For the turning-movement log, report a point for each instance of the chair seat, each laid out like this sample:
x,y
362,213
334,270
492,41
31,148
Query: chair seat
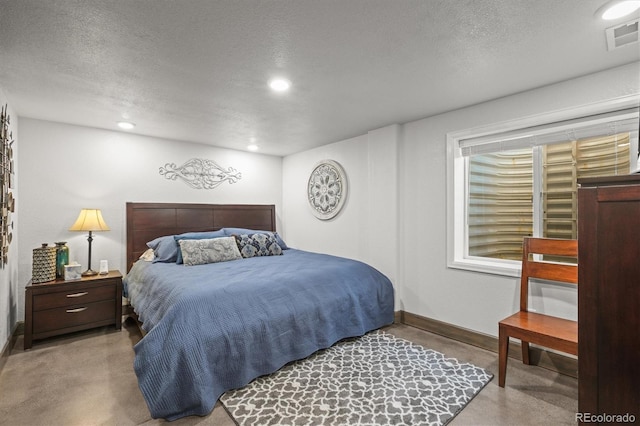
x,y
544,330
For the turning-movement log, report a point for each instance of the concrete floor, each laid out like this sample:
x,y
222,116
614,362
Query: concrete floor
x,y
87,379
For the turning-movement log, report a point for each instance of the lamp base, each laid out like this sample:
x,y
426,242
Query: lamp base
x,y
89,273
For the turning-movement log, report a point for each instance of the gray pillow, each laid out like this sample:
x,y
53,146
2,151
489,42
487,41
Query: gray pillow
x,y
195,236
214,250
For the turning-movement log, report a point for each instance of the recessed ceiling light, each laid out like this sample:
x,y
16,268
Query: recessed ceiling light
x,y
253,146
280,84
126,125
618,8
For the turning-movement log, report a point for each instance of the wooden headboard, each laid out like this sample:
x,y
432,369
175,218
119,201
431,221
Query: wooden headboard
x,y
146,221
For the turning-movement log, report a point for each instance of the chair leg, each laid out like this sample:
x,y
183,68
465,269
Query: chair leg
x,y
503,355
525,352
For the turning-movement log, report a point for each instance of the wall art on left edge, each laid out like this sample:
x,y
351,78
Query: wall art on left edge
x,y
200,173
7,202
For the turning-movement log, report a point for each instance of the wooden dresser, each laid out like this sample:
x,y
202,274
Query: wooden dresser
x,y
609,296
59,307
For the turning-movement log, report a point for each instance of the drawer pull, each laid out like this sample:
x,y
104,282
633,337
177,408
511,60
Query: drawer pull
x,y
83,293
73,311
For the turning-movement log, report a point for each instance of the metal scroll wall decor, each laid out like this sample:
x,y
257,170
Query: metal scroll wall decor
x,y
199,173
327,189
7,202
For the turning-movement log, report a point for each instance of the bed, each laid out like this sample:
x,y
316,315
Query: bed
x,y
211,325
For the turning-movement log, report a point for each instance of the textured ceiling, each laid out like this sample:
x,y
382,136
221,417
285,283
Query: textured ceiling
x,y
197,70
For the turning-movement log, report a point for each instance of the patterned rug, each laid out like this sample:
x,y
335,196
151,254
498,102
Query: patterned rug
x,y
376,379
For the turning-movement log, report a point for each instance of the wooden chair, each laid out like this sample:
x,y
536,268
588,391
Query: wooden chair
x,y
530,327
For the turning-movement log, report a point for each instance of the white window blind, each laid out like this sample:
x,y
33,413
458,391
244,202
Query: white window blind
x,y
604,124
564,164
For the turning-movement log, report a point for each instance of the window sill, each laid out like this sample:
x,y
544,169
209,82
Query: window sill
x,y
507,268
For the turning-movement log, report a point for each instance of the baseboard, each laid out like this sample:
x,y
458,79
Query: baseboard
x,y
540,357
10,343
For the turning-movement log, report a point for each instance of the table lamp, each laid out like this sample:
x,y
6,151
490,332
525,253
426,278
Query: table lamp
x,y
89,220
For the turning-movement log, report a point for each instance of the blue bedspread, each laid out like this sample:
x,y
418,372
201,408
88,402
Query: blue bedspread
x,y
216,327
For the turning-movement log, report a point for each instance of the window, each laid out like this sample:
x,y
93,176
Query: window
x,y
520,180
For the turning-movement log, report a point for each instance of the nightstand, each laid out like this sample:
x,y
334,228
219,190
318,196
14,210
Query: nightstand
x,y
59,307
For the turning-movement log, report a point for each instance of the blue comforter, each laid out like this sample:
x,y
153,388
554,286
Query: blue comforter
x,y
215,327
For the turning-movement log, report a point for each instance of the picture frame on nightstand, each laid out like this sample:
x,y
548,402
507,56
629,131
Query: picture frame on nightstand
x,y
72,272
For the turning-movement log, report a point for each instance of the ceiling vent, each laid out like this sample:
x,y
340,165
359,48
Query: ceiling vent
x,y
622,34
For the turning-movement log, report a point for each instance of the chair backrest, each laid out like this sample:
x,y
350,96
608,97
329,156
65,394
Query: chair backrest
x,y
542,268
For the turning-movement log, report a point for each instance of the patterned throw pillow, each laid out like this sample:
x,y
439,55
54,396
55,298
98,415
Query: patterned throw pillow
x,y
200,252
196,236
258,244
240,231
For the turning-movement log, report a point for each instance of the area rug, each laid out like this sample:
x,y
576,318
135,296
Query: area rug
x,y
376,379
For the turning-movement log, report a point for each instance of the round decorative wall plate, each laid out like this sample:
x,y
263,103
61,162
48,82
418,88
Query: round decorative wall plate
x,y
327,189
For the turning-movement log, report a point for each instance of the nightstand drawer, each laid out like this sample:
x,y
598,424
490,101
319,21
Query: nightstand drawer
x,y
71,316
76,296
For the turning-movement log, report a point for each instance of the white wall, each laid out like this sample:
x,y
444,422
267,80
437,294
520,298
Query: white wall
x,y
9,287
366,228
417,171
64,168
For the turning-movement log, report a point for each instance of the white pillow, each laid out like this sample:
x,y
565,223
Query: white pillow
x,y
200,252
148,255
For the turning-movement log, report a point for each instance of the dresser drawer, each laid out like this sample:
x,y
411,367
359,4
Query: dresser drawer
x,y
59,318
76,296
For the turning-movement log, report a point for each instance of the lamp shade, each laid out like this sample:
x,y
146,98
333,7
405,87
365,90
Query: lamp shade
x,y
89,220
